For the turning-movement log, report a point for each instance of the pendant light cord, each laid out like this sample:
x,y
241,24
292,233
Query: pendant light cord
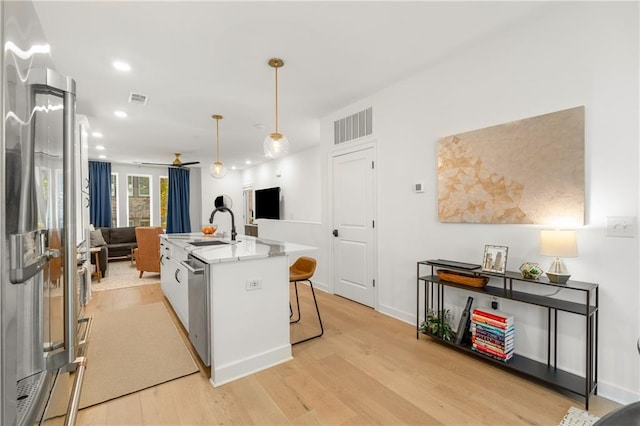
x,y
217,141
276,99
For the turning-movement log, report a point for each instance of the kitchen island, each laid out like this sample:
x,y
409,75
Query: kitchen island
x,y
233,299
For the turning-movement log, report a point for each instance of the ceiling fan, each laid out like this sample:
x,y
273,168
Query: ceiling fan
x,y
176,162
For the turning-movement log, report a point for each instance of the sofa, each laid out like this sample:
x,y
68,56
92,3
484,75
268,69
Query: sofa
x,y
120,242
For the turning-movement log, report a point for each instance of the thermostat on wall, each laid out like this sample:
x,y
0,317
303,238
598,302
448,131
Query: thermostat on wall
x,y
418,187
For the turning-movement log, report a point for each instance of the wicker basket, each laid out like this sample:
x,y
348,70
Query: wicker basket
x,y
462,278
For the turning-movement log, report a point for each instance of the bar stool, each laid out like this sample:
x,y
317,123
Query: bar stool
x,y
302,270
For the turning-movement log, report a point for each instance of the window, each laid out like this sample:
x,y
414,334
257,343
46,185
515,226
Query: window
x,y
114,200
164,198
139,203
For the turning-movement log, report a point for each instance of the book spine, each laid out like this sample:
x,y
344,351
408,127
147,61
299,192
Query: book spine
x,y
490,321
493,315
498,358
487,329
493,338
493,329
493,352
496,347
493,341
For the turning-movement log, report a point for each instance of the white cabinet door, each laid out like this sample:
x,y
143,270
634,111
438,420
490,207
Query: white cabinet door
x,y
180,292
165,272
173,279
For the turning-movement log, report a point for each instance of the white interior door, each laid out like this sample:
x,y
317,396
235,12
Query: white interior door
x,y
353,220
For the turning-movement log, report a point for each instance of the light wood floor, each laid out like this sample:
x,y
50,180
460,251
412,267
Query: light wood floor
x,y
367,369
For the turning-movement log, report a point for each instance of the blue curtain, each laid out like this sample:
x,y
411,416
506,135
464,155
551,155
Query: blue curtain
x,y
178,203
100,193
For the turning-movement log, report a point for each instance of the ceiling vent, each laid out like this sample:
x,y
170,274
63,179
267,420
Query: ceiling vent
x,y
138,98
353,126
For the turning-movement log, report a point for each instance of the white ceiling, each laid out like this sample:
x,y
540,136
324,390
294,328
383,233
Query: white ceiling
x,y
195,59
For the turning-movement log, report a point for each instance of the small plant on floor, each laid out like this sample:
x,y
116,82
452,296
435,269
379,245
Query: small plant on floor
x,y
437,323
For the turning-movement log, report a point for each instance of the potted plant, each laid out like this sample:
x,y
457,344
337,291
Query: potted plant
x,y
437,324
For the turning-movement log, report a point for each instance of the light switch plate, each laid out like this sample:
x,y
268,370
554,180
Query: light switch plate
x,y
621,226
253,285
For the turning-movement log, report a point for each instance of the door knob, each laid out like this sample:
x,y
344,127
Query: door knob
x,y
335,232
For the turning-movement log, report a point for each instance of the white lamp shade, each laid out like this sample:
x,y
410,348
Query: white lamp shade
x,y
558,243
217,170
276,145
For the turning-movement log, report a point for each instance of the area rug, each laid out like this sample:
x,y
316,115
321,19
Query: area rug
x,y
122,274
130,350
578,417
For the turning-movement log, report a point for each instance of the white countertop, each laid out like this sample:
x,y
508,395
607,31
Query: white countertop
x,y
244,248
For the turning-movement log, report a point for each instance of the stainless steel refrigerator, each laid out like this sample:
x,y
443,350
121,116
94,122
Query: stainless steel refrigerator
x,y
40,367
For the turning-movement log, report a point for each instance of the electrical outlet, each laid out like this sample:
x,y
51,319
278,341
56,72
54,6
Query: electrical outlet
x,y
494,303
253,285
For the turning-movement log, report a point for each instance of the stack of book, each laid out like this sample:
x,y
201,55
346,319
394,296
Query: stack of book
x,y
492,333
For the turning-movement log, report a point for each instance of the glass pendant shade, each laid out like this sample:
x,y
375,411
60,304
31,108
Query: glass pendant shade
x,y
276,145
217,170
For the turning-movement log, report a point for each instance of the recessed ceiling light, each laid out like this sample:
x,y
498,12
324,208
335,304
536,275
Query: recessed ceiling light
x,y
121,66
102,156
97,134
259,126
120,114
233,167
247,162
100,147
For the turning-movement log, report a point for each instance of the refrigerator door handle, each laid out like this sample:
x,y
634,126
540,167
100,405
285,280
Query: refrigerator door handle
x,y
47,81
69,212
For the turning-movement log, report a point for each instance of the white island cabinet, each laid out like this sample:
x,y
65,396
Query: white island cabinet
x,y
244,303
173,279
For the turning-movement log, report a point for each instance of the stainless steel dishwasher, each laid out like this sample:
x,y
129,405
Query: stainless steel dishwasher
x,y
199,318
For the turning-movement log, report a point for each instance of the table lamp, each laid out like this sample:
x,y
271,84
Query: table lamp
x,y
558,243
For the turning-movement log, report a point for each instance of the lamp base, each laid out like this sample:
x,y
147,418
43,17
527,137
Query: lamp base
x,y
558,278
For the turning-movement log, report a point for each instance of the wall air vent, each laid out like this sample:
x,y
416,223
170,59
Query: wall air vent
x,y
353,126
138,98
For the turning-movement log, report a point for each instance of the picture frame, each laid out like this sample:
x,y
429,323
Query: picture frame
x,y
495,259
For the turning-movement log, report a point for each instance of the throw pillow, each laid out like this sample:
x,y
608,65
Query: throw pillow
x,y
96,238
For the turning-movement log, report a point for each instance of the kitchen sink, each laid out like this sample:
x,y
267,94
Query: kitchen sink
x,y
207,243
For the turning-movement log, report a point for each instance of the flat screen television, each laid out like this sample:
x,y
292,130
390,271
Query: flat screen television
x,y
268,203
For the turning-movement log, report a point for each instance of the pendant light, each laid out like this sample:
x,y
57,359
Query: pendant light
x,y
276,144
217,169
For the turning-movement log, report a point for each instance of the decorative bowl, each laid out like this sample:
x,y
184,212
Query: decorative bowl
x,y
209,229
531,270
462,278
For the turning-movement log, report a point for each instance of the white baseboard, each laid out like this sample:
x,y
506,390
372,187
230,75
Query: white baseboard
x,y
245,367
317,285
407,317
616,394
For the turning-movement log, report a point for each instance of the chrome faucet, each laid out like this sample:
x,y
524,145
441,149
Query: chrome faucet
x,y
233,220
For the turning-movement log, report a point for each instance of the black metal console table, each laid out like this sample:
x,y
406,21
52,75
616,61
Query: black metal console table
x,y
432,297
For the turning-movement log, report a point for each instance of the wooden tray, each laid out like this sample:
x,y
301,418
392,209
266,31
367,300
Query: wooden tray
x,y
462,278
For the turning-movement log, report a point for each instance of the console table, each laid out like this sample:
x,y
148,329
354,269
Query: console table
x,y
430,291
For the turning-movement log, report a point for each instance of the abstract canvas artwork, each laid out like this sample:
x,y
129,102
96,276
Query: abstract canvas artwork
x,y
526,171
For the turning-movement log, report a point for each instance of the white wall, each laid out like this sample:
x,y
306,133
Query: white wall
x,y
298,176
577,54
211,188
155,173
299,183
299,180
